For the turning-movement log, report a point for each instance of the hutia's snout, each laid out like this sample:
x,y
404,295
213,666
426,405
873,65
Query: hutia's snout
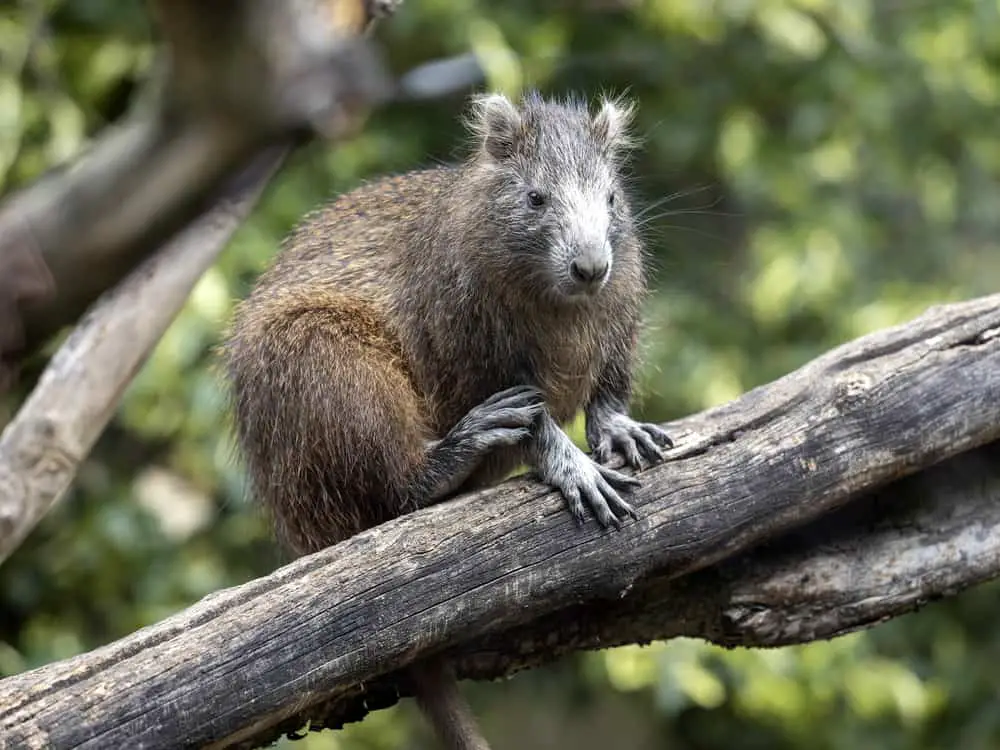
x,y
589,269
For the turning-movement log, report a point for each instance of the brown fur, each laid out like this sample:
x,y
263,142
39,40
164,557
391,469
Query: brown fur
x,y
389,320
397,308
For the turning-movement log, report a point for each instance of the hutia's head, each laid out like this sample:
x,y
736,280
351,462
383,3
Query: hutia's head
x,y
553,173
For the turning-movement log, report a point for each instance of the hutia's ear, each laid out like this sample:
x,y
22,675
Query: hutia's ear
x,y
612,123
496,124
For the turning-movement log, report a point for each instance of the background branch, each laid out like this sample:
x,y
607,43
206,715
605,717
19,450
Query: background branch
x,y
236,76
249,661
53,431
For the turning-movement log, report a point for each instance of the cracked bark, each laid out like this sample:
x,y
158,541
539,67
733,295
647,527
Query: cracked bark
x,y
504,579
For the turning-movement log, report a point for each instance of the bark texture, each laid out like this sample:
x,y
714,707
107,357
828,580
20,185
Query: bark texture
x,y
789,514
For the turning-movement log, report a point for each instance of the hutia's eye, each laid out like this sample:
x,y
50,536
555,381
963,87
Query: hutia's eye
x,y
611,198
535,199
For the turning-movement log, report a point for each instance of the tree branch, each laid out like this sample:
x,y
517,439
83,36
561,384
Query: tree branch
x,y
237,77
253,660
885,554
53,431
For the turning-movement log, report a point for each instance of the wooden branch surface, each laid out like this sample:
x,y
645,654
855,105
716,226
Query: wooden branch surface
x,y
243,661
239,76
887,553
53,431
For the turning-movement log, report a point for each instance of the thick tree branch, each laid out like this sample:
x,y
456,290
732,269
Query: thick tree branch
x,y
888,552
245,662
237,77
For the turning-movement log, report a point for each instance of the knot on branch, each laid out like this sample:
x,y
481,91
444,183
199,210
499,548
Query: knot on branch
x,y
852,390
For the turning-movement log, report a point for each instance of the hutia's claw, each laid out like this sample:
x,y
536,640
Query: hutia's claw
x,y
586,483
640,444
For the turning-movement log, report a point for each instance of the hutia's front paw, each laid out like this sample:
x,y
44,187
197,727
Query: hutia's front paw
x,y
639,443
504,419
581,481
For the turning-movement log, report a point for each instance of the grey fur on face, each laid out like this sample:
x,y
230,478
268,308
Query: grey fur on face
x,y
554,171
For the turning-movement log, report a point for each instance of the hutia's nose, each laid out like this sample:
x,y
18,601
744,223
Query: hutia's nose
x,y
589,271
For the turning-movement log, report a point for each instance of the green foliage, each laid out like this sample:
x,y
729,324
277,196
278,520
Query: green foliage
x,y
811,170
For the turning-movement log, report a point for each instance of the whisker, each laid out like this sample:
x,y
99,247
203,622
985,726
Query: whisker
x,y
646,210
693,230
690,212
